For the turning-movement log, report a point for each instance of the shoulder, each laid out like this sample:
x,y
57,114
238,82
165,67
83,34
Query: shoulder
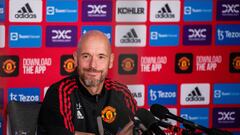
x,y
114,85
66,84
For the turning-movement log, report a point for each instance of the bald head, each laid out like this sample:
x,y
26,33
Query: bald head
x,y
94,35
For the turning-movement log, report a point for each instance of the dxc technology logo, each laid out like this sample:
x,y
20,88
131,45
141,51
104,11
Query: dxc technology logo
x,y
226,117
197,34
96,11
61,36
228,10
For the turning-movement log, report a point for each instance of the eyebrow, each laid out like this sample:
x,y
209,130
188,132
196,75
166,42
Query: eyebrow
x,y
101,54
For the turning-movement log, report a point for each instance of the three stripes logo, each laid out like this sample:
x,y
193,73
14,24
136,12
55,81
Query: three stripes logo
x,y
195,95
25,12
165,12
131,37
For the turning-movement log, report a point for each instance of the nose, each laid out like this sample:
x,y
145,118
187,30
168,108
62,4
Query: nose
x,y
93,63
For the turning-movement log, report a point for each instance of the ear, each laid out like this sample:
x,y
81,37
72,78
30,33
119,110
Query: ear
x,y
111,61
75,58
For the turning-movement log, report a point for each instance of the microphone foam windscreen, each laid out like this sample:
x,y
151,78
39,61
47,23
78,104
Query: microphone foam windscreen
x,y
146,117
159,111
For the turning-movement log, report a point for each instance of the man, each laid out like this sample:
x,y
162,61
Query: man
x,y
88,103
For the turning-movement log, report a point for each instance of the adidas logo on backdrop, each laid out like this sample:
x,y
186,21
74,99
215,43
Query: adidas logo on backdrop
x,y
165,12
25,12
130,37
195,95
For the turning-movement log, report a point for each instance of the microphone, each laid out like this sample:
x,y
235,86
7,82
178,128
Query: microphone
x,y
162,112
149,121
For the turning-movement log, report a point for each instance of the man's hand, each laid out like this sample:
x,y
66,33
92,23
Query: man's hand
x,y
127,130
82,133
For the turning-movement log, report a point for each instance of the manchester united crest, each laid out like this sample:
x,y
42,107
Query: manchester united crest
x,y
109,114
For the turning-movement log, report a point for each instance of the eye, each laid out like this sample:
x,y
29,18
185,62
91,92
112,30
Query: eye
x,y
102,57
85,56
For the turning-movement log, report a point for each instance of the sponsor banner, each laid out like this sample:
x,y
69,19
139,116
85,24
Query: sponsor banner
x,y
130,36
1,98
228,10
198,10
25,10
24,94
61,36
197,115
25,36
9,66
153,63
67,65
93,11
166,94
45,91
138,92
228,34
2,11
64,11
127,64
36,66
195,94
107,30
226,117
131,11
164,35
234,62
197,34
184,63
226,93
165,11
208,62
2,36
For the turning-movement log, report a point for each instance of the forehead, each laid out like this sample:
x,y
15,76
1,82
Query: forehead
x,y
95,44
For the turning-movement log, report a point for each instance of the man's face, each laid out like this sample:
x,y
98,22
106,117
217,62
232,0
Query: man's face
x,y
93,60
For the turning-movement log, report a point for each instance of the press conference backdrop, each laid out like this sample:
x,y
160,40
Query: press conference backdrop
x,y
183,54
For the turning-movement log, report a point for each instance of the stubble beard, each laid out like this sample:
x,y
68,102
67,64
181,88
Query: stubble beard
x,y
91,82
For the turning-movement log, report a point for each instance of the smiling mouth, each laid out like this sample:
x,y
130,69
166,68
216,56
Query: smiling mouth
x,y
92,74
